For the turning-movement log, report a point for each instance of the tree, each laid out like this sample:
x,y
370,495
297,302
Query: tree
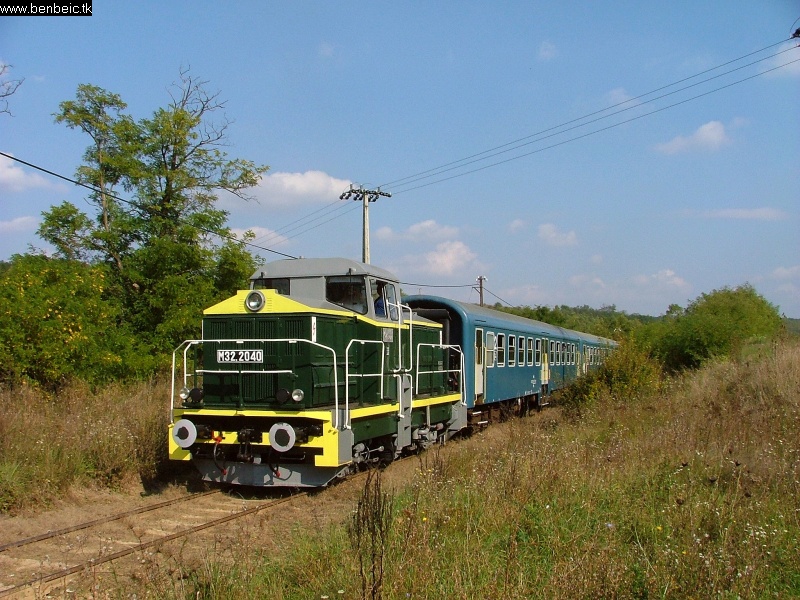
x,y
714,325
7,87
170,248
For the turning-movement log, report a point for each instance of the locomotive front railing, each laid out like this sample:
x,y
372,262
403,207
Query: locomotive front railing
x,y
187,345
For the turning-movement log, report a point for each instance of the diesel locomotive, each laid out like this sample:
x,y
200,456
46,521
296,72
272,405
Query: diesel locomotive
x,y
320,367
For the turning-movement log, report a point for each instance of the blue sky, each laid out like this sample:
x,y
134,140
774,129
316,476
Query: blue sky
x,y
654,210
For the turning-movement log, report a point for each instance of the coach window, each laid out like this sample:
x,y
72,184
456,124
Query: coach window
x,y
501,349
538,351
512,350
552,353
521,351
491,349
530,352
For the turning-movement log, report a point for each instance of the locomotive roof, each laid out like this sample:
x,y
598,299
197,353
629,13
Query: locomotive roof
x,y
491,317
319,267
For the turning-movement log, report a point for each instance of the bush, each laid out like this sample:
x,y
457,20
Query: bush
x,y
715,325
60,321
627,374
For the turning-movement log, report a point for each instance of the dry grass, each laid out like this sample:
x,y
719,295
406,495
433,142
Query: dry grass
x,y
691,492
78,436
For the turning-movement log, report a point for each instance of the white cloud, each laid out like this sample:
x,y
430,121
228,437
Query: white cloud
x,y
19,225
516,225
618,96
711,137
290,190
749,214
447,258
547,51
792,69
587,281
528,294
418,232
596,259
14,178
550,234
663,279
263,236
326,50
785,273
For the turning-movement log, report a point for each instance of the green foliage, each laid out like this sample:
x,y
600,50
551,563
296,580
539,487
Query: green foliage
x,y
606,321
627,374
59,320
714,325
168,253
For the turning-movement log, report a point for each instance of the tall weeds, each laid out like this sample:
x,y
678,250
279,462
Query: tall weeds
x,y
368,532
49,442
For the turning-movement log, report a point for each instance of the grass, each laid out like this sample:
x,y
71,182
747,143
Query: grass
x,y
79,436
688,491
688,488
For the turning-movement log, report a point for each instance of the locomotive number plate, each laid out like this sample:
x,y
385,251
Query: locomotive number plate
x,y
240,356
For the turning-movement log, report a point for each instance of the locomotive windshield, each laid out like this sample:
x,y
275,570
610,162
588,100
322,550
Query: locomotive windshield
x,y
347,291
279,284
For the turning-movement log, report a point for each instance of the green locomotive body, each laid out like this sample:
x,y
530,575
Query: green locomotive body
x,y
314,370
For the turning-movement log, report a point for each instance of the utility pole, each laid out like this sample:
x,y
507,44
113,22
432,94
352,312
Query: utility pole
x,y
364,196
481,279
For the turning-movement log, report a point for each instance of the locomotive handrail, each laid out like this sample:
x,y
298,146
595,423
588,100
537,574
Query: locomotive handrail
x,y
460,371
348,375
189,343
410,335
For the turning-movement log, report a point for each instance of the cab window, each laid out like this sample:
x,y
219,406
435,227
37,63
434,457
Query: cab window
x,y
384,298
279,284
348,292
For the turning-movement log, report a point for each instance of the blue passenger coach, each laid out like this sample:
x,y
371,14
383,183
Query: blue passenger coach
x,y
510,362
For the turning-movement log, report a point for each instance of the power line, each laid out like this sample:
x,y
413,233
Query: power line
x,y
516,145
138,207
629,100
585,135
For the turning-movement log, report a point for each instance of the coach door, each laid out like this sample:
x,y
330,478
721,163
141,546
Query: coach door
x,y
480,367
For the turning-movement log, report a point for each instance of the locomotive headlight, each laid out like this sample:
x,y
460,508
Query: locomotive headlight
x,y
195,395
298,395
254,301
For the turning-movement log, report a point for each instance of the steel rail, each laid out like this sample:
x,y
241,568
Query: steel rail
x,y
144,546
136,511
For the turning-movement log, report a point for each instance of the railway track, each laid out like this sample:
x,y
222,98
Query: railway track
x,y
35,564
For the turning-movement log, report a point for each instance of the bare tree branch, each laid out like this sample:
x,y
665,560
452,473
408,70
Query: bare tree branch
x,y
7,87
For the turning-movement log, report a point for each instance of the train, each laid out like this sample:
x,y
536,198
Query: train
x,y
321,367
